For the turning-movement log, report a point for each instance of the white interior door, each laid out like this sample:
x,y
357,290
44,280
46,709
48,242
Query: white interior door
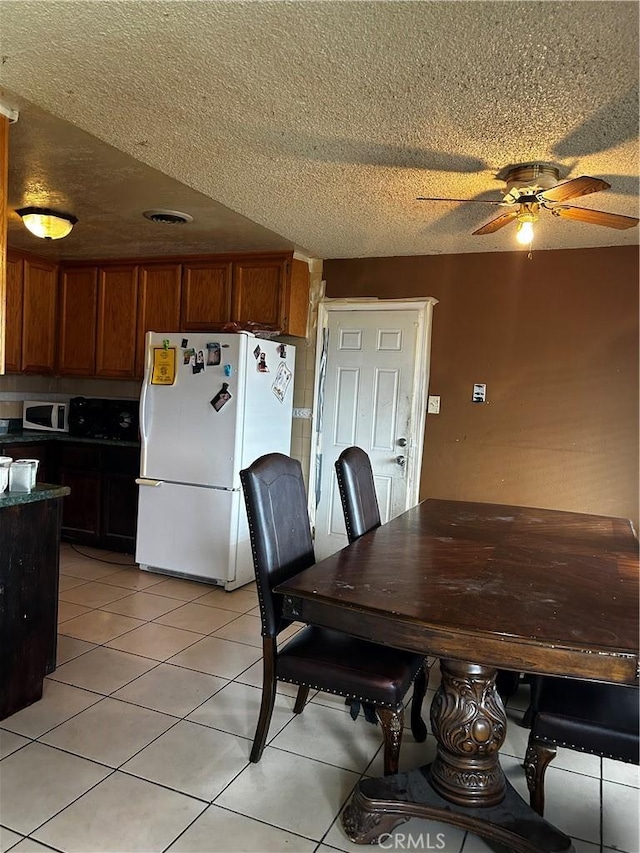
x,y
372,378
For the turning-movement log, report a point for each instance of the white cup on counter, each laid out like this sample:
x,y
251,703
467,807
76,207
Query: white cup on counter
x,y
5,461
4,478
22,475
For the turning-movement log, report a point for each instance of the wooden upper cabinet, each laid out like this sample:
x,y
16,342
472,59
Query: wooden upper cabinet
x,y
78,309
13,314
273,292
158,304
117,321
39,315
206,295
297,299
258,291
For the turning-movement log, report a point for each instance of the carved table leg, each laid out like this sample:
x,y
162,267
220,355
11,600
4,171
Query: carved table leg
x,y
469,723
464,786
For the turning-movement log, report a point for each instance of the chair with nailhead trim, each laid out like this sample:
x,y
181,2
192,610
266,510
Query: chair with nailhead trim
x,y
316,658
601,719
360,508
357,492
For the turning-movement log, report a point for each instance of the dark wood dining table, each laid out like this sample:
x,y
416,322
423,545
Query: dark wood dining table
x,y
481,586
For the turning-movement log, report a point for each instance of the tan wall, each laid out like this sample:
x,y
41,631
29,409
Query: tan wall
x,y
555,339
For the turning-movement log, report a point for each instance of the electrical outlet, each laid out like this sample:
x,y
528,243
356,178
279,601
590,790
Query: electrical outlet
x,y
305,414
433,405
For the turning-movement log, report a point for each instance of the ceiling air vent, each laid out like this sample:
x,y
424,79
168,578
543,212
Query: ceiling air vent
x,y
168,217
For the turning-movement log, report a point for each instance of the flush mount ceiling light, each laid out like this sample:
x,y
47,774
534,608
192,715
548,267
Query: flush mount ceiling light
x,y
46,223
168,217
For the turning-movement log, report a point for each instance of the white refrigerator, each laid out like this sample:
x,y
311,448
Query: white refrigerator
x,y
210,405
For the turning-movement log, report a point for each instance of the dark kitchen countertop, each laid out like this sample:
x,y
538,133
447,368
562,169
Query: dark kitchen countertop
x,y
40,492
32,436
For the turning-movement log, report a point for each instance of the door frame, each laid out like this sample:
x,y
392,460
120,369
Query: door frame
x,y
424,307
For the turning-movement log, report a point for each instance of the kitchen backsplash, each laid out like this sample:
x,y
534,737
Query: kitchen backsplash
x,y
10,409
22,387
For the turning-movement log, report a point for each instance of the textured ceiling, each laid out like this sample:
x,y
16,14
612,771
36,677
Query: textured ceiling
x,y
315,125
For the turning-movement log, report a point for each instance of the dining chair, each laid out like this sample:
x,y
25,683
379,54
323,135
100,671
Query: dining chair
x,y
362,514
316,658
600,719
357,492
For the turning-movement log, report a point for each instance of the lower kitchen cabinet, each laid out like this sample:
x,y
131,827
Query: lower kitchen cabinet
x,y
81,514
29,532
119,498
101,510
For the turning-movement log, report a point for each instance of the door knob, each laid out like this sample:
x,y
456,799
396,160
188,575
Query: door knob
x,y
402,442
401,461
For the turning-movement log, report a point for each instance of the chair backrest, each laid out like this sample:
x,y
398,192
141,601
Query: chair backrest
x,y
357,492
281,543
599,718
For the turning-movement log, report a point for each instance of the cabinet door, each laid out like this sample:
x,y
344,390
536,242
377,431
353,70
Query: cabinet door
x,y
259,291
120,466
81,508
39,316
13,323
206,295
78,305
79,468
158,304
116,338
29,601
297,302
119,512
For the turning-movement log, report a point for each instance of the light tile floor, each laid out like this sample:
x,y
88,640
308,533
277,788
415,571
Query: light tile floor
x,y
141,741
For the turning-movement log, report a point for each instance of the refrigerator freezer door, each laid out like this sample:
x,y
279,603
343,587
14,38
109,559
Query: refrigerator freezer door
x,y
185,439
194,532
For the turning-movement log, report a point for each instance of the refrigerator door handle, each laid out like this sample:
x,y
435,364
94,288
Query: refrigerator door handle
x,y
145,481
144,431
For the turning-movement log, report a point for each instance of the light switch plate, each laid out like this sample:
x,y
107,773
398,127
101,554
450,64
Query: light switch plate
x,y
433,405
479,393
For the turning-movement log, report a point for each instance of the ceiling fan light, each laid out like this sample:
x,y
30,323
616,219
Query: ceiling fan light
x,y
524,232
46,223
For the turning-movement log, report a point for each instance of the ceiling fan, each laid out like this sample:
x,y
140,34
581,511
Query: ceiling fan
x,y
531,187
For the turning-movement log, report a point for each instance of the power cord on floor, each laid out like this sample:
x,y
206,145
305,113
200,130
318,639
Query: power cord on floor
x,y
100,559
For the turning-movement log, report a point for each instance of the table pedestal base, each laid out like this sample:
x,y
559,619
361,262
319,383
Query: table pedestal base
x,y
379,805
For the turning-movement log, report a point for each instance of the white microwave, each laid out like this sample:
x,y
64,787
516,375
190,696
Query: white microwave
x,y
45,415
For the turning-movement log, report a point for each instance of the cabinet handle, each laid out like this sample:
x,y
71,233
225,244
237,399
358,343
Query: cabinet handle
x,y
144,481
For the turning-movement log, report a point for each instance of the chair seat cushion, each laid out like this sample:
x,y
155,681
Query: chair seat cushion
x,y
584,715
335,662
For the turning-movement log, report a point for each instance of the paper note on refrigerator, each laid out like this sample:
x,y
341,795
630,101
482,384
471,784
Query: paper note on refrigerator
x,y
281,382
164,366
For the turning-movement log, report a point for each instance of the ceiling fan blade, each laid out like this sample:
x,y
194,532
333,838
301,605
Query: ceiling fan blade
x,y
595,217
465,200
497,223
572,189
